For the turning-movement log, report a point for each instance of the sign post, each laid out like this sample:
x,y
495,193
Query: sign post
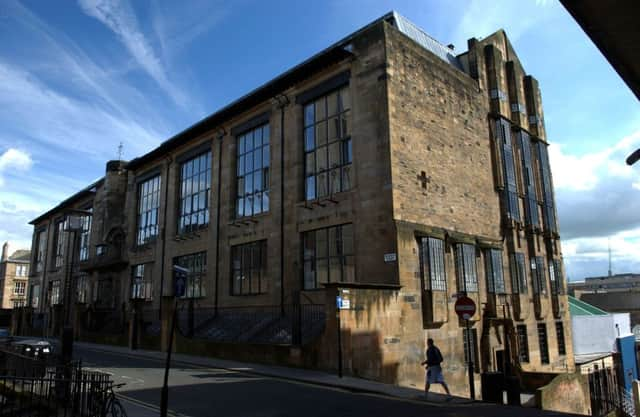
x,y
465,308
338,325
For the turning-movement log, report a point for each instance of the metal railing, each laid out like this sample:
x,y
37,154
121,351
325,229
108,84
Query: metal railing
x,y
295,324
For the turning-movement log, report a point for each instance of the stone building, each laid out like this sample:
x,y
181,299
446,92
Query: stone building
x,y
14,273
385,170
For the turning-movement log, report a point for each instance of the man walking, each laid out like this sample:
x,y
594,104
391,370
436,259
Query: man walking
x,y
434,371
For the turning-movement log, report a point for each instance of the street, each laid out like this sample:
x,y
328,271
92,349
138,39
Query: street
x,y
198,391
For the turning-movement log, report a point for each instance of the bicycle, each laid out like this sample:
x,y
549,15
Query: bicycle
x,y
109,405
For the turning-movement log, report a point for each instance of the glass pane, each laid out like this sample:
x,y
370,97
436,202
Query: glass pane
x,y
265,156
321,112
347,152
334,178
241,143
321,158
347,239
240,186
309,115
240,207
346,124
309,138
334,155
310,163
332,103
322,185
333,241
346,178
321,243
335,270
249,142
334,129
257,180
247,206
257,158
321,133
248,162
322,271
248,184
345,99
309,276
241,165
265,178
265,201
311,188
309,249
266,134
257,203
257,138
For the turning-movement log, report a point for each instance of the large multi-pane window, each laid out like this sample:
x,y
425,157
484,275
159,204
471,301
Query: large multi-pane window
x,y
195,190
466,267
328,256
510,194
327,145
432,264
252,184
141,286
82,289
538,275
85,237
523,343
530,201
562,349
196,264
495,276
555,276
19,288
148,209
54,293
41,245
518,273
61,243
249,268
543,342
548,208
21,270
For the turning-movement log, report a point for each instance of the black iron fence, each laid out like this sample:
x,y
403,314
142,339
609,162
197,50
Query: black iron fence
x,y
608,396
293,324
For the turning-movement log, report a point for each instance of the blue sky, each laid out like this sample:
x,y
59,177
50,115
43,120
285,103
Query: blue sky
x,y
78,78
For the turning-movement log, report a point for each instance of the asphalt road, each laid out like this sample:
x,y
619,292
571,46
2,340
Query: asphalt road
x,y
197,391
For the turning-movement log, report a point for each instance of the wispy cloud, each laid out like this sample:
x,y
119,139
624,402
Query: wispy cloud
x,y
120,18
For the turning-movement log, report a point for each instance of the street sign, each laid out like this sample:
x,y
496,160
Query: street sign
x,y
390,257
465,307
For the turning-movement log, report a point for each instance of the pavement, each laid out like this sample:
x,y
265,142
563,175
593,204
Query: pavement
x,y
203,386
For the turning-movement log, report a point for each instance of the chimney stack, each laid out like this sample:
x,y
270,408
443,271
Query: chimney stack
x,y
5,252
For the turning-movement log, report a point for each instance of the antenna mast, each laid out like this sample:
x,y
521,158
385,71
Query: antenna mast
x,y
609,240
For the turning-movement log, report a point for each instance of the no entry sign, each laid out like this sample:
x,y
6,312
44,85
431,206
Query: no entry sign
x,y
465,307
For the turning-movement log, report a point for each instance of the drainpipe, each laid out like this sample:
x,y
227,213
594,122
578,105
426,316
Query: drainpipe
x,y
220,136
283,101
164,232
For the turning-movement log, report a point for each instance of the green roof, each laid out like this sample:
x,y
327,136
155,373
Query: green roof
x,y
580,308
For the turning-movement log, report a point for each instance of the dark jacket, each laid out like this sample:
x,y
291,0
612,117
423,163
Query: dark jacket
x,y
434,357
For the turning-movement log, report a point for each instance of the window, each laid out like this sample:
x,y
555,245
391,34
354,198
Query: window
x,y
195,191
19,288
328,256
538,276
510,195
466,267
197,266
61,243
41,244
141,284
523,343
542,340
85,236
19,303
249,263
54,293
82,289
555,276
495,276
327,145
548,208
471,350
530,201
34,295
252,184
21,270
148,208
562,349
432,264
518,273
